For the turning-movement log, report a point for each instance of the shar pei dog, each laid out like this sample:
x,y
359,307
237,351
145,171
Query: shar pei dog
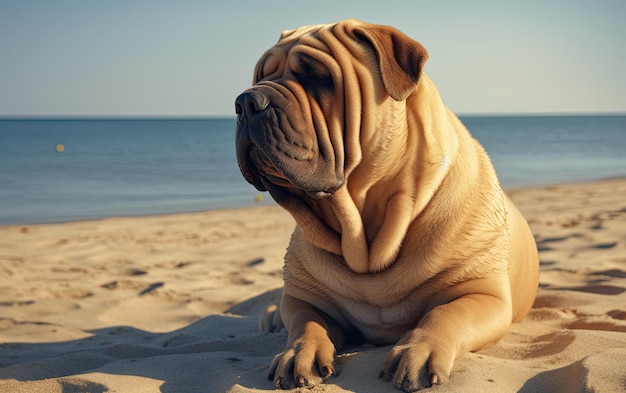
x,y
404,235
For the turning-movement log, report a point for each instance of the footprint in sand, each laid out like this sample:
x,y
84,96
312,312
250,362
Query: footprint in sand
x,y
254,262
570,378
602,289
151,287
617,314
600,322
134,272
17,303
523,349
616,273
548,299
545,244
553,239
597,289
604,246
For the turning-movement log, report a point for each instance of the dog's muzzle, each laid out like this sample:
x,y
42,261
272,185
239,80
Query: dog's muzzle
x,y
276,144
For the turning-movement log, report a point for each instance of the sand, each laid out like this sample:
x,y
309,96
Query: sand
x,y
169,304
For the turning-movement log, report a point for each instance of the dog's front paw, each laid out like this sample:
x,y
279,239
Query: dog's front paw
x,y
418,364
305,363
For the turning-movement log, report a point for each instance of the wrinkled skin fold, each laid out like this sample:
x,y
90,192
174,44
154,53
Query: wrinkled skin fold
x,y
403,234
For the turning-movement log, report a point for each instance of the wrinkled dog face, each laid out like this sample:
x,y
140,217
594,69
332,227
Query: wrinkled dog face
x,y
282,140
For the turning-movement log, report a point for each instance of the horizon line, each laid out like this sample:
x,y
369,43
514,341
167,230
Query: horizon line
x,y
215,116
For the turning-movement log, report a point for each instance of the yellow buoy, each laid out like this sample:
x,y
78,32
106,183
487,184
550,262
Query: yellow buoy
x,y
258,198
60,148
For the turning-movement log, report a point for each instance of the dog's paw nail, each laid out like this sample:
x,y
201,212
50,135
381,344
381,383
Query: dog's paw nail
x,y
328,372
434,379
302,381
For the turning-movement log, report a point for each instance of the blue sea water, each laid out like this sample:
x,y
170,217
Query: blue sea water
x,y
125,167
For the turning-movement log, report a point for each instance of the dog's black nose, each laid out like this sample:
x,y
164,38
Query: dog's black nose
x,y
250,102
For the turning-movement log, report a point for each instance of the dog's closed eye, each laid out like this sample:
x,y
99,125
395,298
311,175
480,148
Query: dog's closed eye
x,y
311,73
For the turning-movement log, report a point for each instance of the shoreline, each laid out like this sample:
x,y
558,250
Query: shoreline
x,y
268,202
170,303
140,216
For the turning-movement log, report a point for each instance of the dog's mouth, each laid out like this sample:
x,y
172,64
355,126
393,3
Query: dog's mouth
x,y
264,175
263,168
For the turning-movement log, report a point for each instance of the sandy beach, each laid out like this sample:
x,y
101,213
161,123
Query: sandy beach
x,y
169,304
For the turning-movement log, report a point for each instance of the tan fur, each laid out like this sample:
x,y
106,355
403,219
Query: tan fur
x,y
417,246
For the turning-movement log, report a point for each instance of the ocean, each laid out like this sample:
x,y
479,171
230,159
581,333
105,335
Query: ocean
x,y
128,167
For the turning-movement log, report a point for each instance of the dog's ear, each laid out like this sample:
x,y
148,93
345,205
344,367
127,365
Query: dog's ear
x,y
400,58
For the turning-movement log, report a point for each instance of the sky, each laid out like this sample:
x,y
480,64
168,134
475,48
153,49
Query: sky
x,y
192,58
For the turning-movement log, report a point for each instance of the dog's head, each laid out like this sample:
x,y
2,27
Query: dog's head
x,y
317,98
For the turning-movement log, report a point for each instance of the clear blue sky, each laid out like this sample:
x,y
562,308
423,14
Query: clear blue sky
x,y
177,58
